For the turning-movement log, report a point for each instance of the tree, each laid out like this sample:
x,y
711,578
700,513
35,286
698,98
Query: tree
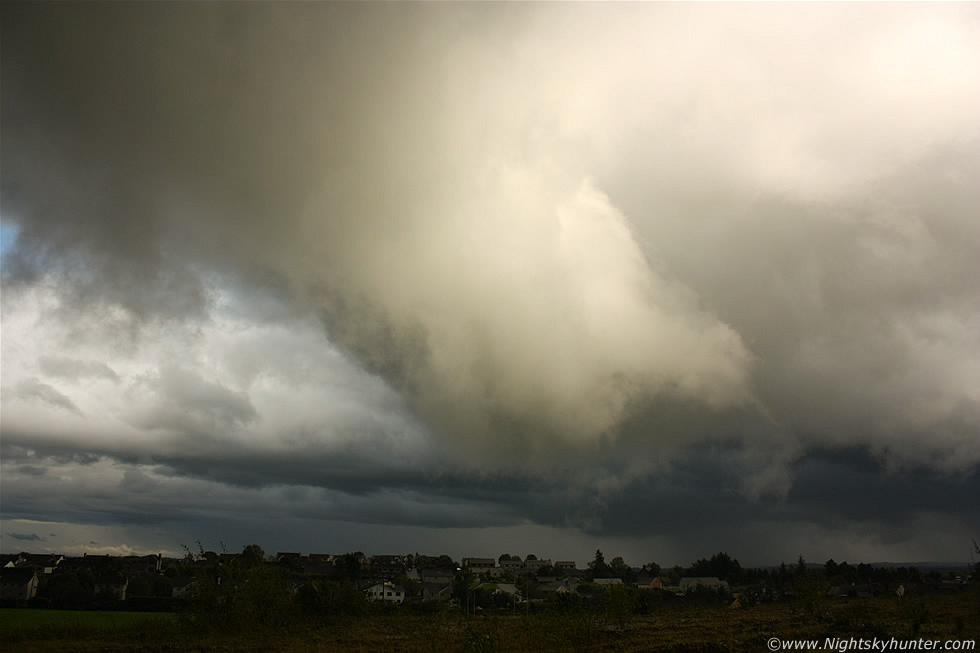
x,y
531,556
618,568
865,571
347,567
162,586
652,568
461,584
547,570
505,557
252,555
598,566
445,562
139,586
830,568
412,587
620,606
721,565
70,589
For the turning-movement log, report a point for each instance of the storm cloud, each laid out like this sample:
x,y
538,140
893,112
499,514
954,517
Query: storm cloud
x,y
547,264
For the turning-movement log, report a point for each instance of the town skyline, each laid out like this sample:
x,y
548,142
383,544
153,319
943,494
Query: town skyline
x,y
197,550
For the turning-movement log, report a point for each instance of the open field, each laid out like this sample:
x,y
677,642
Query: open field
x,y
26,629
682,628
12,619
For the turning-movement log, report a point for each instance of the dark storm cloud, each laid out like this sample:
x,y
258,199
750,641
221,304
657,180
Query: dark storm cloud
x,y
860,311
699,495
853,485
356,472
29,537
33,470
702,494
256,140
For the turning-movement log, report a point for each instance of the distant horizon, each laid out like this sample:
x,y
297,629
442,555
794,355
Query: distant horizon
x,y
933,564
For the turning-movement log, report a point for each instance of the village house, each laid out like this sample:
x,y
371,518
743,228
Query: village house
x,y
148,564
512,565
42,563
111,587
478,565
18,584
706,582
436,592
558,586
510,589
95,563
10,560
436,575
492,572
386,591
649,583
388,566
533,565
183,587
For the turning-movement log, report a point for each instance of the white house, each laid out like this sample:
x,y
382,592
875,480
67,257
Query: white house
x,y
511,565
18,584
707,582
478,565
111,587
386,591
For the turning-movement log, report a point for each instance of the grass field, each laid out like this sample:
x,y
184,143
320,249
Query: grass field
x,y
681,628
12,619
81,630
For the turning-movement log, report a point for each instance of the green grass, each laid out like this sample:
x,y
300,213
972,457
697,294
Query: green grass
x,y
672,627
13,619
61,630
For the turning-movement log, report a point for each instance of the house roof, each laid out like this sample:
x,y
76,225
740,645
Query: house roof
x,y
9,557
17,575
706,581
183,581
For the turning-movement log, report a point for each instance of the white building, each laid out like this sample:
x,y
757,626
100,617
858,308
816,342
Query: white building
x,y
386,591
707,582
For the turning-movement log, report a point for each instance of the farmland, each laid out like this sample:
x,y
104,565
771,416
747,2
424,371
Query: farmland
x,y
681,627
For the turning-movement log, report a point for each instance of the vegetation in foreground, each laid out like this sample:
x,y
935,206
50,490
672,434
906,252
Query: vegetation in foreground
x,y
556,626
252,605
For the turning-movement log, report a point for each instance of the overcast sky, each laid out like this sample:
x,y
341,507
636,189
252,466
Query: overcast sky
x,y
661,279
